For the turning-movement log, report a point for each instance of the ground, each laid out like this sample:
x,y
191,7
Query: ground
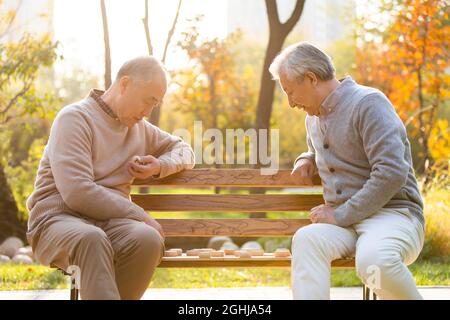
x,y
245,293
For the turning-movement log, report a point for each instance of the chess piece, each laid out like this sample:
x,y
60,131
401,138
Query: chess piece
x,y
178,251
242,254
229,252
170,253
229,248
282,253
218,253
255,252
204,254
192,252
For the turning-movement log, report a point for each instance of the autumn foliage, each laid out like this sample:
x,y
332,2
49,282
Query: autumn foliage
x,y
408,59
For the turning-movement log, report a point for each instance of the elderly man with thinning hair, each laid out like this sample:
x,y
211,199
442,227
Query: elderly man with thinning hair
x,y
80,211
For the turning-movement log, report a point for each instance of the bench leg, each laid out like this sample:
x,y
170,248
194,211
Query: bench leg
x,y
366,293
73,289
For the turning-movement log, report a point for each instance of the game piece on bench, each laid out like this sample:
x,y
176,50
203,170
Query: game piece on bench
x,y
229,248
177,250
192,252
170,253
242,254
255,252
282,253
218,253
229,252
204,254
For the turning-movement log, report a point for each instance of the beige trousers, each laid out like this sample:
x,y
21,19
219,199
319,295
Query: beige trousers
x,y
115,258
383,245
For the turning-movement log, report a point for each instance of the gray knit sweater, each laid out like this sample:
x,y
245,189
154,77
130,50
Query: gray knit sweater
x,y
360,148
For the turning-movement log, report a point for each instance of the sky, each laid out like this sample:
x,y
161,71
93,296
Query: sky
x,y
78,27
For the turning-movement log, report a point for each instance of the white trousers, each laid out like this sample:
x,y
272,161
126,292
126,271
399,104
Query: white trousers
x,y
383,245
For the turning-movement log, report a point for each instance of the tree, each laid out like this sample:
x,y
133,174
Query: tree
x,y
211,88
278,33
20,63
409,61
156,113
107,45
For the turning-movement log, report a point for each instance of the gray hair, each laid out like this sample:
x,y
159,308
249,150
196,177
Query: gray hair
x,y
144,68
298,59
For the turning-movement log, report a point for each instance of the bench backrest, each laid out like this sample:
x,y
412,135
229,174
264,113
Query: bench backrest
x,y
230,178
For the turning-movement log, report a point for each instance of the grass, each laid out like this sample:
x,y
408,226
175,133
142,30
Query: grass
x,y
33,277
437,223
20,277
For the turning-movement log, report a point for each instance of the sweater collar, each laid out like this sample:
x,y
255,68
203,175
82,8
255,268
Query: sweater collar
x,y
96,95
330,102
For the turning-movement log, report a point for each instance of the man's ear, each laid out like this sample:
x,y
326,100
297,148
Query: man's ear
x,y
311,78
124,82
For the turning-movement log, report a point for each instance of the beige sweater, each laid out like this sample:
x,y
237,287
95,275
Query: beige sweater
x,y
83,167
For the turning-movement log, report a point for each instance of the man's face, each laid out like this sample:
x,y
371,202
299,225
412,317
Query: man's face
x,y
138,98
301,94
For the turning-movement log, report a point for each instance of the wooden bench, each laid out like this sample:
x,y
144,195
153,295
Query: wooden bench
x,y
246,227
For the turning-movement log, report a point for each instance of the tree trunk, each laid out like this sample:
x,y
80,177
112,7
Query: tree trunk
x,y
107,45
267,88
423,135
278,33
156,113
147,30
10,223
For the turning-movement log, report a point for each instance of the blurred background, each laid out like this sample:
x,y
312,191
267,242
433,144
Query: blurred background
x,y
52,52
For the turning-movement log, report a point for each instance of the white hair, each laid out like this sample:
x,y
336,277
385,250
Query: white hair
x,y
298,59
145,68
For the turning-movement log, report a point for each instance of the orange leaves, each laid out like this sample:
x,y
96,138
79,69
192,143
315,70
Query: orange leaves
x,y
439,142
411,66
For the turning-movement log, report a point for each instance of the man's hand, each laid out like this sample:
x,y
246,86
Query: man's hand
x,y
153,223
322,214
144,167
303,172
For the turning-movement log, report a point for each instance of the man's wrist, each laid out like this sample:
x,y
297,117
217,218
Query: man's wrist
x,y
156,175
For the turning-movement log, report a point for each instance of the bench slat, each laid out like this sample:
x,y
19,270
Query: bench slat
x,y
227,202
254,262
231,227
226,178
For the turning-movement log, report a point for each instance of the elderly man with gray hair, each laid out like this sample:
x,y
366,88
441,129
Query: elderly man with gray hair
x,y
80,211
373,208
